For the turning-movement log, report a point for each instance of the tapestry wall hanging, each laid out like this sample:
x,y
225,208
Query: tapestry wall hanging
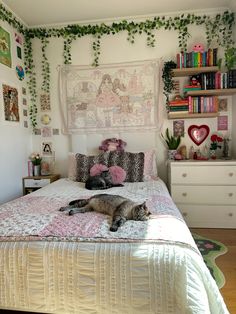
x,y
116,97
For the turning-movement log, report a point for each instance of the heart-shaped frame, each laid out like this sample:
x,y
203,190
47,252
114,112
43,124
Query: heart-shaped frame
x,y
198,133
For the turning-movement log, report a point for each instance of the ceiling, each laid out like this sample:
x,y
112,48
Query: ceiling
x,y
48,12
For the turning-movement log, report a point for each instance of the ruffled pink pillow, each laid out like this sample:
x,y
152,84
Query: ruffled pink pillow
x,y
97,169
118,174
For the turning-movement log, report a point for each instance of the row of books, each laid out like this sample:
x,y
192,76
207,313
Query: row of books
x,y
200,104
194,104
218,80
197,59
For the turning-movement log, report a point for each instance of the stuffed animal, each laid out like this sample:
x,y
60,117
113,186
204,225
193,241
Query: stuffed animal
x,y
117,173
113,144
198,48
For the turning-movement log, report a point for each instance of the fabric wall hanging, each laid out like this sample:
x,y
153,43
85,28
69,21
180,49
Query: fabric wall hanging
x,y
115,97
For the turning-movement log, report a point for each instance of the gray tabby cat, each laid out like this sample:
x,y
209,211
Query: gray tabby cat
x,y
118,207
100,182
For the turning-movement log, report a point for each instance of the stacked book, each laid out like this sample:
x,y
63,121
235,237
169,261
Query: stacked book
x,y
188,88
178,106
195,59
200,104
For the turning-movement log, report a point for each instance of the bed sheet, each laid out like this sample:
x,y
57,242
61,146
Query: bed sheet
x,y
54,263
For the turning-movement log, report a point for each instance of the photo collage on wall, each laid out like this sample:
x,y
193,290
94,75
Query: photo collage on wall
x,y
14,95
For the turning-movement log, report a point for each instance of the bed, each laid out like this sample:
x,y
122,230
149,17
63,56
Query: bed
x,y
51,262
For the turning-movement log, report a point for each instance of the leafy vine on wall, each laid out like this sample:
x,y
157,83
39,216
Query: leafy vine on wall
x,y
219,29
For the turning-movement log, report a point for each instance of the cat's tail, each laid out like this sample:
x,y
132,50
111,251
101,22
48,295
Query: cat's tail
x,y
79,203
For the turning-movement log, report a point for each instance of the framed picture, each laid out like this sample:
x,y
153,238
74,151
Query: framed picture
x,y
10,100
47,149
5,47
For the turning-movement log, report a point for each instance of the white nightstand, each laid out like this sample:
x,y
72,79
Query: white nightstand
x,y
205,192
31,184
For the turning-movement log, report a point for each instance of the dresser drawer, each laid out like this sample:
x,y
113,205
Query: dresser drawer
x,y
215,175
204,194
34,183
208,216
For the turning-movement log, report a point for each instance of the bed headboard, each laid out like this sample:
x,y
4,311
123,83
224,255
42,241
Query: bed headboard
x,y
136,141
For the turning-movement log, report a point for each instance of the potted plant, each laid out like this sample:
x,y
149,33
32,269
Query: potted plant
x,y
167,77
172,143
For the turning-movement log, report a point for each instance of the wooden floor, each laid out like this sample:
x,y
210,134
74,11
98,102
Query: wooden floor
x,y
226,262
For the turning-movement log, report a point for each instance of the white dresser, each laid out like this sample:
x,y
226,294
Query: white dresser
x,y
205,192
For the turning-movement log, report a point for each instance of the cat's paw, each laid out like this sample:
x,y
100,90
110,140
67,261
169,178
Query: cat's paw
x,y
71,212
62,209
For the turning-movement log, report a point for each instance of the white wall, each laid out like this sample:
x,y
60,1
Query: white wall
x,y
115,49
15,140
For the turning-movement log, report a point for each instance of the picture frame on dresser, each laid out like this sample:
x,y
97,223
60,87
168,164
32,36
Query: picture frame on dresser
x,y
204,191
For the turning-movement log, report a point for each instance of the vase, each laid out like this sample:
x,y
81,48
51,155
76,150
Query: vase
x,y
171,154
37,169
213,153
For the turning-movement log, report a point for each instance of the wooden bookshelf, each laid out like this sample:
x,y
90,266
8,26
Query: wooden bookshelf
x,y
212,92
193,71
180,115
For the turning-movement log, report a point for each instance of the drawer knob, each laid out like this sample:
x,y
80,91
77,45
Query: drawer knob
x,y
184,194
230,194
231,174
230,214
185,214
184,175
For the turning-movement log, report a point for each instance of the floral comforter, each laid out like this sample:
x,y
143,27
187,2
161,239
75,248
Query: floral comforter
x,y
37,216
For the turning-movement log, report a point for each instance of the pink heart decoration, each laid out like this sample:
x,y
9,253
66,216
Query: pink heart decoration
x,y
198,134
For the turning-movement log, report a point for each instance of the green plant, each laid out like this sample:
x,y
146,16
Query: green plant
x,y
230,58
171,141
167,79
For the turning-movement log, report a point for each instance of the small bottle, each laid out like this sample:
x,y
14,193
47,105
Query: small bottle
x,y
191,152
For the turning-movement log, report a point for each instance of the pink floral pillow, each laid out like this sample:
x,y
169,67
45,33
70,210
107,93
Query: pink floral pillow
x,y
150,166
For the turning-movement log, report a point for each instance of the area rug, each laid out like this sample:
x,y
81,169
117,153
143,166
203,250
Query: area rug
x,y
210,250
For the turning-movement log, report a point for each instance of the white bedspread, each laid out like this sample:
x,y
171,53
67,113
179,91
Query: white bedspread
x,y
156,270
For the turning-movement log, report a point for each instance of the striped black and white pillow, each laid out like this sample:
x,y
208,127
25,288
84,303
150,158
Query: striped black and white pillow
x,y
84,163
132,163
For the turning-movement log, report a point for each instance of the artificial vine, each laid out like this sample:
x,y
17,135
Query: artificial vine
x,y
45,67
167,79
218,29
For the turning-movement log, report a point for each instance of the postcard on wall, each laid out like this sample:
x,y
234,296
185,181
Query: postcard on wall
x,y
223,104
5,47
46,131
10,100
23,91
45,102
24,101
178,128
222,123
18,39
47,148
18,52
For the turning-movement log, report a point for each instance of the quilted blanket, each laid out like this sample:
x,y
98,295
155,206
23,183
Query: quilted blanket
x,y
37,216
51,262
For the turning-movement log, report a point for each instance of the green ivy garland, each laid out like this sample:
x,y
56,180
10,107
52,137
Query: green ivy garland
x,y
45,66
218,29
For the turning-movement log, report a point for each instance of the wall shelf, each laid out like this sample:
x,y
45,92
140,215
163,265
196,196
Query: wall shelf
x,y
193,71
180,115
212,92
